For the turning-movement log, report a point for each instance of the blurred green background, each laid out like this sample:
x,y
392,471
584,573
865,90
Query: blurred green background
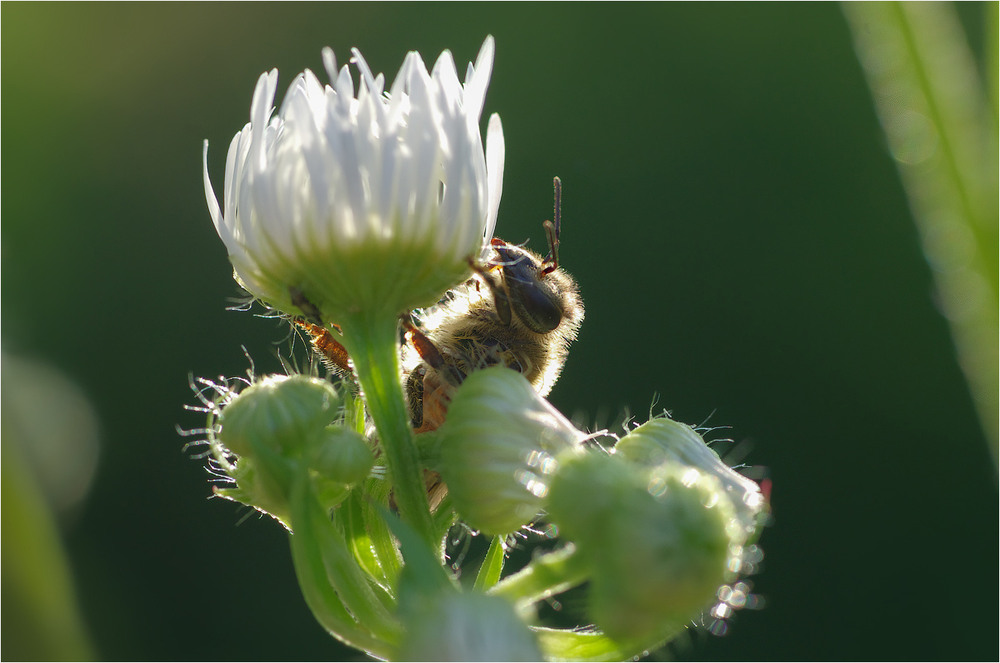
x,y
737,225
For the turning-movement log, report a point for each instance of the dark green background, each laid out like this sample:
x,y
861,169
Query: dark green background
x,y
737,226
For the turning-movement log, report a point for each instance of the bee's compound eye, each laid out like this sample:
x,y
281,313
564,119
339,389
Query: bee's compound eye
x,y
536,305
533,299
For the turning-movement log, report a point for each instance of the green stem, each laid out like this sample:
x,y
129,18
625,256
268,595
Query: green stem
x,y
320,595
373,345
572,645
444,518
545,576
566,645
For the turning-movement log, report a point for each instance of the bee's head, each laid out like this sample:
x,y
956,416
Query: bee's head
x,y
531,288
527,289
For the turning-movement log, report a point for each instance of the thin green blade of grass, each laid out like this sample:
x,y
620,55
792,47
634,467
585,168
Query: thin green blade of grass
x,y
941,131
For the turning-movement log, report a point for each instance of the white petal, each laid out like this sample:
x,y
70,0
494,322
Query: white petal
x,y
362,65
445,75
484,61
495,151
344,85
316,95
398,93
213,202
478,80
239,148
260,110
330,63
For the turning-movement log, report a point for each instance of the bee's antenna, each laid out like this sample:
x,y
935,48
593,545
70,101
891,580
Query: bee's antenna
x,y
552,229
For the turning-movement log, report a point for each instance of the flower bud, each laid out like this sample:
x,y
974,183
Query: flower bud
x,y
657,540
500,445
468,626
278,413
269,425
663,440
341,455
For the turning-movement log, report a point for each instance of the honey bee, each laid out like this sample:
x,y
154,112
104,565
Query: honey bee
x,y
518,310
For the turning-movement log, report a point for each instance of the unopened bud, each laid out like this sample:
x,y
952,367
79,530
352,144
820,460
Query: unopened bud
x,y
663,440
278,413
268,426
657,539
499,447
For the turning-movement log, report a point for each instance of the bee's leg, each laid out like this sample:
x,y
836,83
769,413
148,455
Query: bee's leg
x,y
415,395
323,341
430,391
501,300
435,397
327,346
429,352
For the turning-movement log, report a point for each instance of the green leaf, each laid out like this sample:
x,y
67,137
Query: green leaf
x,y
314,534
489,572
941,131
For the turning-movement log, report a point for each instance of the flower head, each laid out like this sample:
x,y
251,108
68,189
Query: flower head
x,y
350,199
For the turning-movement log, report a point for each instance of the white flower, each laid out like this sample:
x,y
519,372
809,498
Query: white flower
x,y
352,199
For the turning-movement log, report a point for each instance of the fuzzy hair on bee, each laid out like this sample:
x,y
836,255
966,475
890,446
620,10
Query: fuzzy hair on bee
x,y
472,330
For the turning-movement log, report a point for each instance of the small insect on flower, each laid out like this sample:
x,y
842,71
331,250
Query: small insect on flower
x,y
519,310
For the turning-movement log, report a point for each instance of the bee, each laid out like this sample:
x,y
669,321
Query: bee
x,y
518,310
